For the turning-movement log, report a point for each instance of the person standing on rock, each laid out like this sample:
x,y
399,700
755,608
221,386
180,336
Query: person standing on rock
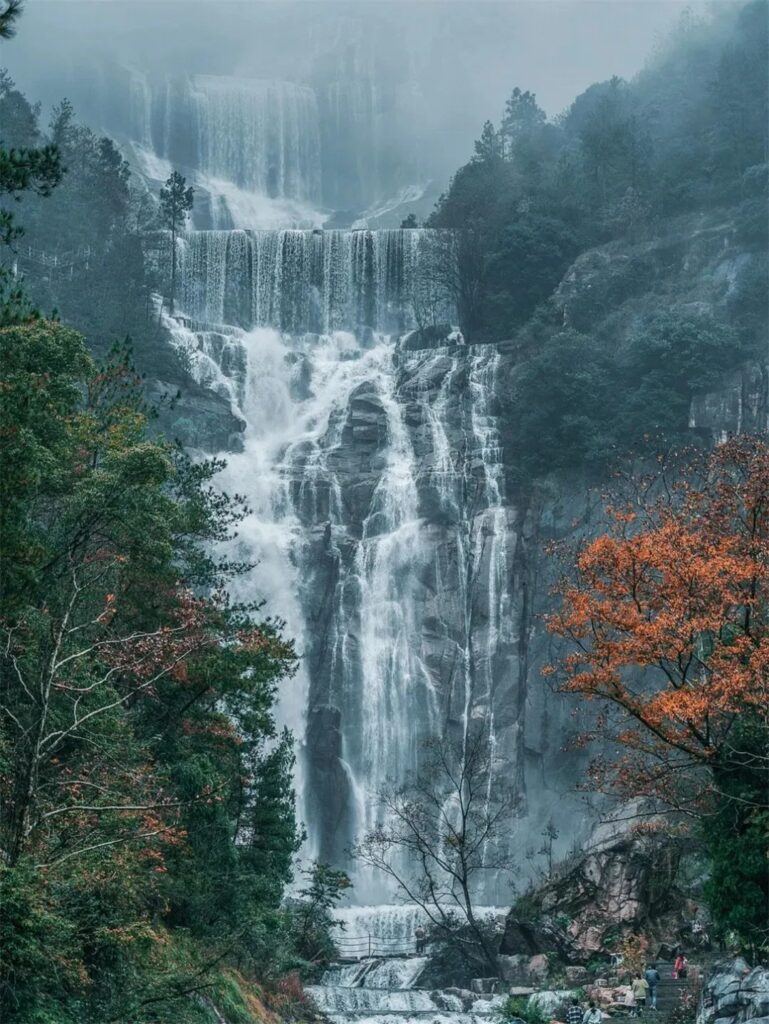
x,y
592,1014
640,989
420,935
574,1013
652,980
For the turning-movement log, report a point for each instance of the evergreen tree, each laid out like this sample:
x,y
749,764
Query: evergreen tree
x,y
522,116
489,148
24,168
176,200
8,15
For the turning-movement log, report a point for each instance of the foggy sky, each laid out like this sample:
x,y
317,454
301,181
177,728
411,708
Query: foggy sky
x,y
554,47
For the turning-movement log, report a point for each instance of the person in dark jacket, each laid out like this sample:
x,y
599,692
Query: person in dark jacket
x,y
574,1013
652,980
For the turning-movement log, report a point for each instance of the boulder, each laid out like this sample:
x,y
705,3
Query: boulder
x,y
553,1002
576,976
753,994
430,336
734,993
521,990
604,995
512,968
538,967
464,995
484,986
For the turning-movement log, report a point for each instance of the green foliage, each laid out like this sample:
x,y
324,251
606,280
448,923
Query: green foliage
x,y
25,167
456,954
521,1008
687,135
95,208
575,402
736,838
597,966
312,912
148,823
176,201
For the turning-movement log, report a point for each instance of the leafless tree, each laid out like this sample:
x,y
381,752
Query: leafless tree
x,y
452,277
439,835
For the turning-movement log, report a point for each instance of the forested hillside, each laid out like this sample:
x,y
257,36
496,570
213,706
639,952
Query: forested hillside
x,y
623,244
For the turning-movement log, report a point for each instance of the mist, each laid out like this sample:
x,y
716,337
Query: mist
x,y
432,72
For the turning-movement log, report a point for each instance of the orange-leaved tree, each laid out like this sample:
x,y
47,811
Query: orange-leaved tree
x,y
667,625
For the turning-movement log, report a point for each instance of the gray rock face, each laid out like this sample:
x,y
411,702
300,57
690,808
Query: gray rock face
x,y
196,417
620,880
324,740
512,968
734,993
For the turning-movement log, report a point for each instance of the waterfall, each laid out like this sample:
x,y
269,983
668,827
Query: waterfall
x,y
378,516
140,108
388,989
303,281
258,136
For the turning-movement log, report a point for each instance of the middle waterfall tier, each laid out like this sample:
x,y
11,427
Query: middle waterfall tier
x,y
312,281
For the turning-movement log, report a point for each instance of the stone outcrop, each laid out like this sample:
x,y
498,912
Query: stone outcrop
x,y
621,882
196,417
733,994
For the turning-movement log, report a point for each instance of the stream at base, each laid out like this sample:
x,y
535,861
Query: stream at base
x,y
389,989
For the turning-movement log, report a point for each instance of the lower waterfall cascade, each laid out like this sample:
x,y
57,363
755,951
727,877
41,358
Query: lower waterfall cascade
x,y
379,516
386,989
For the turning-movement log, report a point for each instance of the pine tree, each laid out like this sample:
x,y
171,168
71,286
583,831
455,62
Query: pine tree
x,y
488,149
176,199
9,14
522,116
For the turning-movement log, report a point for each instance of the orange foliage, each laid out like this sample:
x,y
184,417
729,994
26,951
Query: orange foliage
x,y
667,620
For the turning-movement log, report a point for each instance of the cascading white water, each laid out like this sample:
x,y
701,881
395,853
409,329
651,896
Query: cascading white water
x,y
388,989
353,446
259,135
262,135
298,281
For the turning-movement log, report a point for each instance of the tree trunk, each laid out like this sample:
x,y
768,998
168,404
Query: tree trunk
x,y
173,268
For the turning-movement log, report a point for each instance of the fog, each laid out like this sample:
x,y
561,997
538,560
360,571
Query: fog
x,y
553,47
435,71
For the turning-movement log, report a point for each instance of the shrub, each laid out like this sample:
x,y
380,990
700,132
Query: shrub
x,y
519,1008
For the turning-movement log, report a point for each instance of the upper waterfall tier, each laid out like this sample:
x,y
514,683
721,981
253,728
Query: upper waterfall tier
x,y
305,281
261,136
